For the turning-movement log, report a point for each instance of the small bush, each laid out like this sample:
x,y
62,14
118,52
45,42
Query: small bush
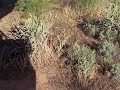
x,y
116,70
103,30
107,49
92,30
109,35
107,29
85,57
113,12
113,23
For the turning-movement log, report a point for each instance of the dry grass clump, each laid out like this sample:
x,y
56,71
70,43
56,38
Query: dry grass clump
x,y
34,30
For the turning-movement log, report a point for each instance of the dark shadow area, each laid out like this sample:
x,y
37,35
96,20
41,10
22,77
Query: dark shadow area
x,y
16,71
6,6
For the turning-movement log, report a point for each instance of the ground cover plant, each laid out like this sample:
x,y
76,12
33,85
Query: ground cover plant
x,y
84,57
116,70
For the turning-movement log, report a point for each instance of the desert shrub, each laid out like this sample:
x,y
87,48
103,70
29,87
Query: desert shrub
x,y
110,35
113,15
113,12
102,30
86,2
33,6
108,49
92,30
113,23
35,30
107,29
85,58
115,70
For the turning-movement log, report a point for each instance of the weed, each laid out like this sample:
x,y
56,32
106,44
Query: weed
x,y
92,31
116,70
62,43
107,49
113,12
85,58
113,24
110,34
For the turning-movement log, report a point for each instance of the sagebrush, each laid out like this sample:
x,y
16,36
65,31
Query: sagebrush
x,y
85,57
116,71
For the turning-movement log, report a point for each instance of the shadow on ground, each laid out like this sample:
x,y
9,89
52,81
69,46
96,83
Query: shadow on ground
x,y
16,72
6,6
